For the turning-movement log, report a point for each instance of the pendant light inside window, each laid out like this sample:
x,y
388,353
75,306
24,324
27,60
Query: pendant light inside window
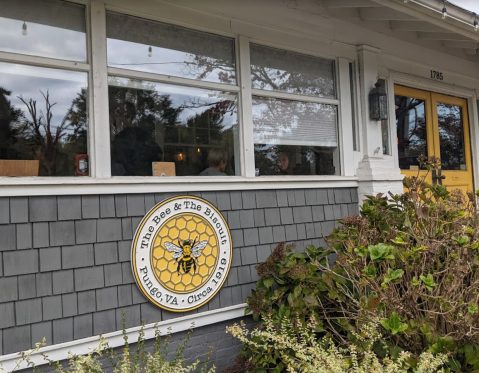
x,y
444,11
24,28
150,51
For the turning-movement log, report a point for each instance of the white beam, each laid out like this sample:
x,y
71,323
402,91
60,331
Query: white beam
x,y
441,36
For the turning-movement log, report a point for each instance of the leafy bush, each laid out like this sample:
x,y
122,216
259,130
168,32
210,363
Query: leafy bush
x,y
137,360
300,351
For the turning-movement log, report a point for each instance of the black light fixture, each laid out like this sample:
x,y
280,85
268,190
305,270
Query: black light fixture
x,y
444,11
476,24
378,101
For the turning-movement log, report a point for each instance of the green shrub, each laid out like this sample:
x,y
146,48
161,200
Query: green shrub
x,y
137,360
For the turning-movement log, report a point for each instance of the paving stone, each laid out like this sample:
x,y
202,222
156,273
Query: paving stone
x,y
77,256
40,235
248,255
259,220
63,281
286,214
9,239
107,206
249,199
282,198
16,339
86,302
109,230
265,236
322,196
26,287
104,322
63,330
266,198
42,208
90,207
246,219
85,231
279,234
131,316
52,307
69,207
50,259
69,305
41,331
4,211
20,262
24,236
113,275
9,289
236,200
135,204
251,237
126,229
226,299
302,214
223,201
237,237
62,233
120,206
318,213
7,315
234,221
124,295
106,253
28,311
83,326
18,210
150,313
89,278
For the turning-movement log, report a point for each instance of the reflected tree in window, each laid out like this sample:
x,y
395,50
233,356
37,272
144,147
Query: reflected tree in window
x,y
451,137
9,133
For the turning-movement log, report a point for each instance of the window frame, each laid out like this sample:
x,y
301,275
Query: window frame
x,y
99,136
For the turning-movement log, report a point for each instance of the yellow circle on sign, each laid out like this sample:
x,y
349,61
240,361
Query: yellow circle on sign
x,y
185,273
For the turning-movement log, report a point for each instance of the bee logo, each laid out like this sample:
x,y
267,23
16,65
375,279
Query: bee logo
x,y
186,253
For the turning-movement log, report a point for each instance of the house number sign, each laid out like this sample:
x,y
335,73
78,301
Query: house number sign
x,y
181,253
437,75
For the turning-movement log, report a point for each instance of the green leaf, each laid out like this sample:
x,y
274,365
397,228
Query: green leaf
x,y
394,324
415,281
311,301
369,272
380,252
462,241
268,282
395,274
473,308
428,282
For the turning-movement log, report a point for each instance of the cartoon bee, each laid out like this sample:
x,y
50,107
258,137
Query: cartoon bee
x,y
188,252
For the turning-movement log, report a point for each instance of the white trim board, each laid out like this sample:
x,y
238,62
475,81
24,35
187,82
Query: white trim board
x,y
60,351
33,186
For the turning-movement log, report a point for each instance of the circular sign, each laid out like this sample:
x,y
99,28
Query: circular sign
x,y
181,253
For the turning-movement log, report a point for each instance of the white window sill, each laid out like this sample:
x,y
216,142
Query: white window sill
x,y
38,186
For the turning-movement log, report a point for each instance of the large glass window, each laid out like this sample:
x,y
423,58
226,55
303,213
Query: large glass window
x,y
143,45
161,129
47,28
297,134
43,121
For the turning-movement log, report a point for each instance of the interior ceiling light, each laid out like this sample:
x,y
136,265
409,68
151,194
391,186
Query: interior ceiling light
x,y
24,28
150,51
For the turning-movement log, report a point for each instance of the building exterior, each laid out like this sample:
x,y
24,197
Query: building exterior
x,y
260,108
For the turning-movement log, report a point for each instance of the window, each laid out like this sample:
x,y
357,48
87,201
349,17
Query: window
x,y
43,110
295,130
162,129
46,28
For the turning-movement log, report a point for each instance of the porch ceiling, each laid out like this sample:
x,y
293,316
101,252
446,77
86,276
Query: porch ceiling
x,y
417,21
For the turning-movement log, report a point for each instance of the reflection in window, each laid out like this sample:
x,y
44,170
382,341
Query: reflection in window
x,y
143,45
155,124
304,132
43,118
411,131
451,137
278,70
47,28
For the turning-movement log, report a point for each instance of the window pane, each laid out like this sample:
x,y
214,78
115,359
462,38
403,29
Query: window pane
x,y
306,133
43,117
278,70
451,137
178,130
47,28
411,131
139,44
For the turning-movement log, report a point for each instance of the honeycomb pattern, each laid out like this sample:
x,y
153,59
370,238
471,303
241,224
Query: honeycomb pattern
x,y
184,227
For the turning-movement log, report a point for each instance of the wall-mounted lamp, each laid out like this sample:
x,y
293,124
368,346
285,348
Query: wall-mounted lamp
x,y
378,101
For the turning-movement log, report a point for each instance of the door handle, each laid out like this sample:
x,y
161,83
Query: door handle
x,y
437,177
